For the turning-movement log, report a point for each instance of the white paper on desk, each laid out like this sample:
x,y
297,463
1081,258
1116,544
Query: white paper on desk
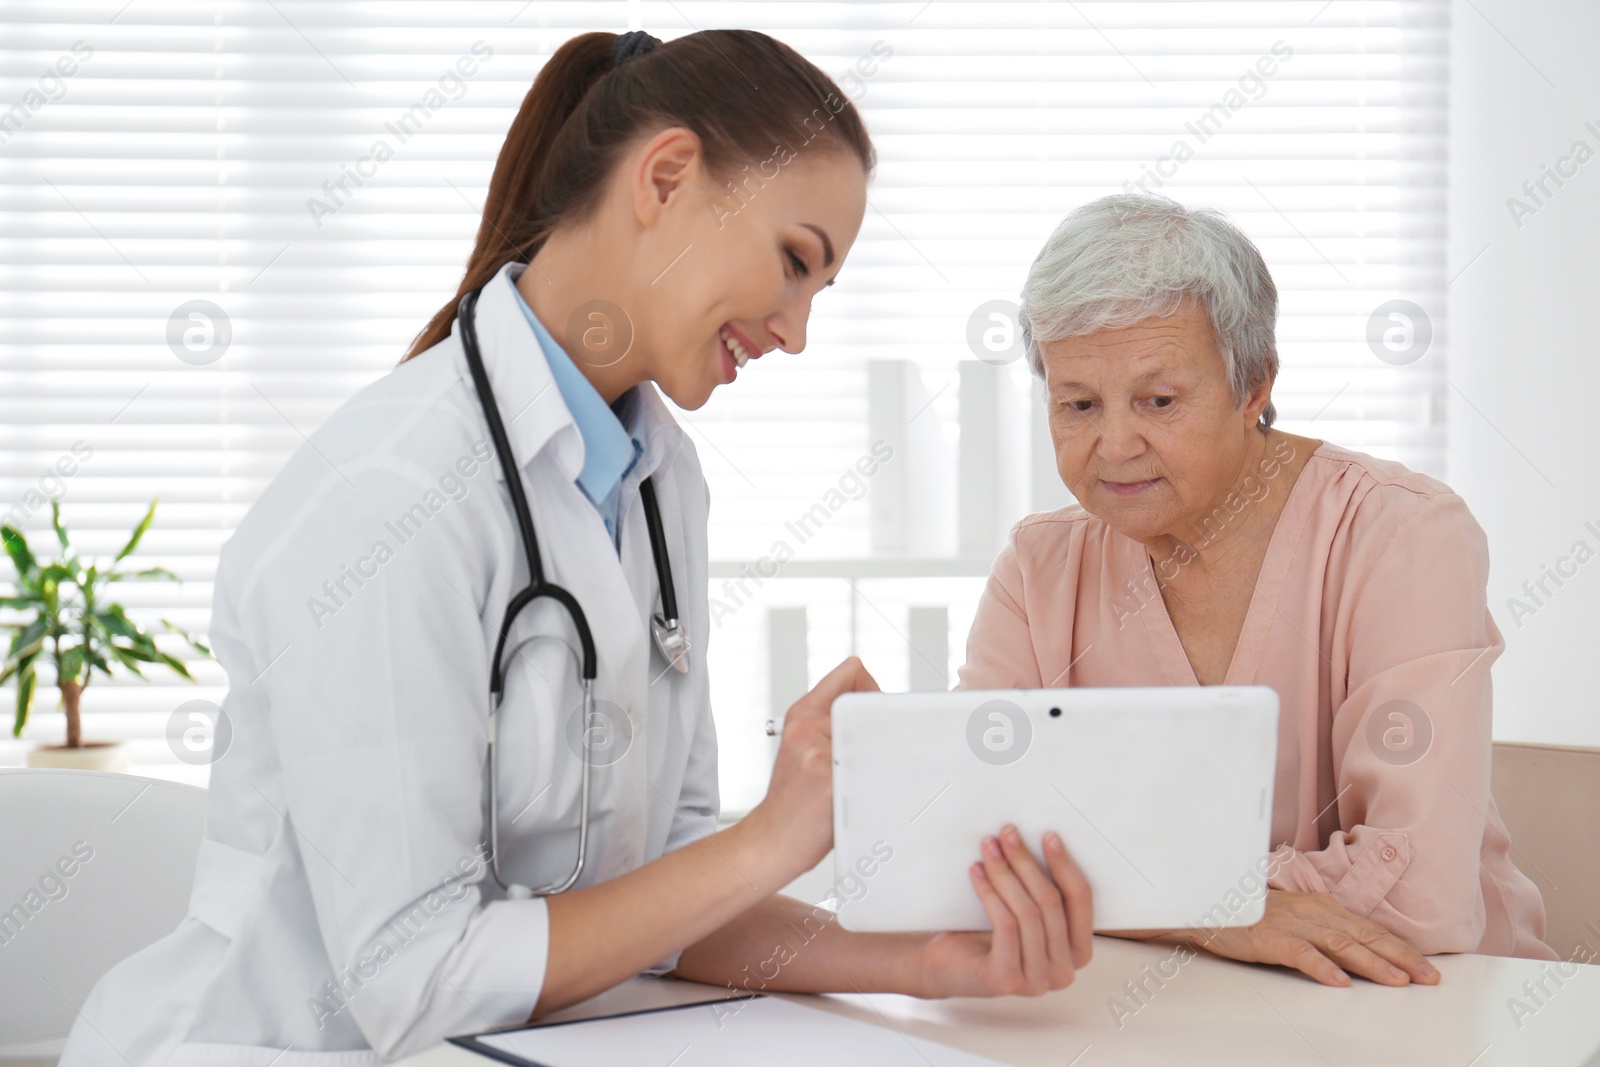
x,y
764,1030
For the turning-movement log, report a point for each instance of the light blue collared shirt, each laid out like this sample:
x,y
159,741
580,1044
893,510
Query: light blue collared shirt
x,y
609,451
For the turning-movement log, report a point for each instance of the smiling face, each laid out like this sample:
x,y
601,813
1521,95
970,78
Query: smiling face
x,y
1146,431
722,277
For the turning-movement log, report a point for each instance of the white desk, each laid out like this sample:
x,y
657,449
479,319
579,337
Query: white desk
x,y
1216,1012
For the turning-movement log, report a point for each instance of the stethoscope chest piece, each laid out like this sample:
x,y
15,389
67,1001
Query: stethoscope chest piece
x,y
673,642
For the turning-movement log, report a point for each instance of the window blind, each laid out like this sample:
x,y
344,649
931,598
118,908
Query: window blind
x,y
218,220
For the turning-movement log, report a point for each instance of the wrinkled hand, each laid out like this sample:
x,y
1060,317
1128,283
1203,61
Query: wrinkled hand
x,y
1314,933
1043,926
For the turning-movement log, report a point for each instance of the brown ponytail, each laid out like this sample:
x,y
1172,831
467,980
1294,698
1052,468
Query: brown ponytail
x,y
582,112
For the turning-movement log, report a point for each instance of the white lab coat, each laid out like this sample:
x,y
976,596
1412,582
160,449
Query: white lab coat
x,y
342,909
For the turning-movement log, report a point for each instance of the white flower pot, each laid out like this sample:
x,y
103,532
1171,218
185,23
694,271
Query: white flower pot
x,y
91,756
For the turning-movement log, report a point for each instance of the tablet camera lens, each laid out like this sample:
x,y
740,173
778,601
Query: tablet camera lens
x,y
1055,713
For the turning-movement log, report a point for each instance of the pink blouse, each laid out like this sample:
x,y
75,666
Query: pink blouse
x,y
1370,621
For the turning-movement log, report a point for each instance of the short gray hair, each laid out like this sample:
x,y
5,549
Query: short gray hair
x,y
1129,256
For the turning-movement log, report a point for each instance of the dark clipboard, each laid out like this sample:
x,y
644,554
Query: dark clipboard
x,y
471,1043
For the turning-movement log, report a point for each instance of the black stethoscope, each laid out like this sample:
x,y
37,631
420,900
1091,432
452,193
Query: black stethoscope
x,y
671,637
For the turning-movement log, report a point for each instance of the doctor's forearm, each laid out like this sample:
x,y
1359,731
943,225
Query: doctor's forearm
x,y
606,933
787,945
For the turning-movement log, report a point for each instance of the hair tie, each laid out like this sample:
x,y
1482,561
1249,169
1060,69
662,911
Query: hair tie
x,y
631,44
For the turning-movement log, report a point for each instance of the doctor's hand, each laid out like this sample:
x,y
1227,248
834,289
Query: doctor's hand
x,y
798,808
1314,933
1043,919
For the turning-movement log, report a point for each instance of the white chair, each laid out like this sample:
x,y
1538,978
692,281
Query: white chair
x,y
95,867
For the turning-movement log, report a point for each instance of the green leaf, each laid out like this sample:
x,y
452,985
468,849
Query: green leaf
x,y
22,663
116,621
139,530
129,660
23,602
55,522
181,632
50,597
157,572
25,684
71,663
97,660
147,574
57,572
176,664
17,548
28,638
94,629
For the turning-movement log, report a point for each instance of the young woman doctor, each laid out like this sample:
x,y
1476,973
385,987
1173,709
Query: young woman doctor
x,y
348,904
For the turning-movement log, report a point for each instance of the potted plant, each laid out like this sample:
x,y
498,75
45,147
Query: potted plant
x,y
76,631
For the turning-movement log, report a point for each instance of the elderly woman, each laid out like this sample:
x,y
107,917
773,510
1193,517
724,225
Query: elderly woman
x,y
1208,548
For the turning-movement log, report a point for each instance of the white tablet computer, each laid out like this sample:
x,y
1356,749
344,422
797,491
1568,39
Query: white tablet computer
x,y
1163,795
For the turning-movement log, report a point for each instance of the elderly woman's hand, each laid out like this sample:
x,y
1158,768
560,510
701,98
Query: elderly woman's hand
x,y
1314,933
1043,919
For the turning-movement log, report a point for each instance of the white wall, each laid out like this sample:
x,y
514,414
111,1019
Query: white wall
x,y
1522,347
